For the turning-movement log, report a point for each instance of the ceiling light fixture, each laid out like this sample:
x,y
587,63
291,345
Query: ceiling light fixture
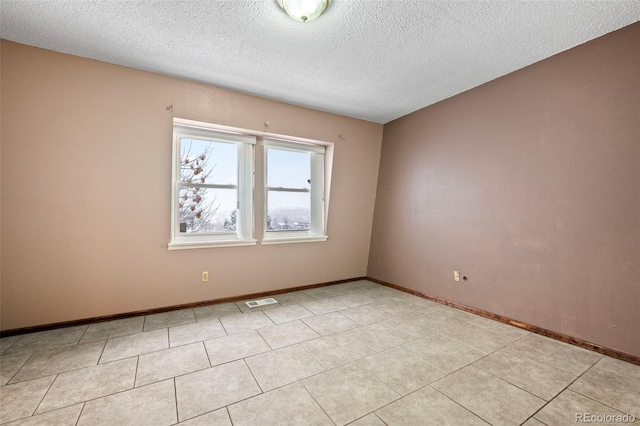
x,y
304,10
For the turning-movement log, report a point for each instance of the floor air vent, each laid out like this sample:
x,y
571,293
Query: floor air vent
x,y
261,302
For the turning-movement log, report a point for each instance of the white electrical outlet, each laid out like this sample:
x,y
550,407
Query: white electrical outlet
x,y
205,276
456,276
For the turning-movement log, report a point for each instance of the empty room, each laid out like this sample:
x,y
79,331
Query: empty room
x,y
319,212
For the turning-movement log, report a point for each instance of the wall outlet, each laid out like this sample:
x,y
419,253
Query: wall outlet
x,y
205,276
456,276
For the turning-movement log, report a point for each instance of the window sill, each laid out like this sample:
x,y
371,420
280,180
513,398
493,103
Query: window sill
x,y
287,240
186,245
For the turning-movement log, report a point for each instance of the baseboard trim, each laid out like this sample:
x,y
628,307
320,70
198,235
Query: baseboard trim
x,y
93,320
529,327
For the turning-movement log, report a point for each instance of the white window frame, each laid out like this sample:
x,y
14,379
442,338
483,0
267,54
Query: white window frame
x,y
244,234
317,231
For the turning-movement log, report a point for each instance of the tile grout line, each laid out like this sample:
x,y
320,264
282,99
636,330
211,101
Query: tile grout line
x,y
18,370
564,389
80,414
315,400
175,397
587,396
460,405
44,396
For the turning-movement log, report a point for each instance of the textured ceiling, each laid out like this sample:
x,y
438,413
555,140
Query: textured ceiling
x,y
369,59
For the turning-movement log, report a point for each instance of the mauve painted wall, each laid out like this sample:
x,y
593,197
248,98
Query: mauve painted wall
x,y
530,186
86,184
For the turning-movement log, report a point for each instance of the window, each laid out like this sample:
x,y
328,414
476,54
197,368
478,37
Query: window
x,y
294,192
212,201
212,193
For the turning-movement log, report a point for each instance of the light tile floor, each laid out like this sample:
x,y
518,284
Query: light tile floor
x,y
355,353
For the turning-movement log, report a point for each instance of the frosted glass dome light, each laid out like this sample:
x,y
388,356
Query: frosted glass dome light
x,y
304,10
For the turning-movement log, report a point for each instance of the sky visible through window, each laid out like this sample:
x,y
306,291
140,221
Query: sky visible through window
x,y
217,163
288,210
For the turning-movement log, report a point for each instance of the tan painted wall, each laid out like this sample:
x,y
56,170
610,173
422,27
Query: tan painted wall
x,y
530,186
86,170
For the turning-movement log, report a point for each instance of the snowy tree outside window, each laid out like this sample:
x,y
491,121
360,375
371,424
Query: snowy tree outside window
x,y
208,191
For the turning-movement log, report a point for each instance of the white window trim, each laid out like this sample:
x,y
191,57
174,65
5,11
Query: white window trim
x,y
318,193
249,137
245,222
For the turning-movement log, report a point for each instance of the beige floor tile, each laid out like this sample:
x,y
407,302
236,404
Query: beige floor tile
x,y
213,388
293,298
195,332
401,370
621,368
423,303
168,363
357,285
22,399
9,365
279,336
535,377
283,366
287,313
244,322
611,389
379,293
417,322
368,420
349,392
571,408
288,406
499,327
153,405
135,344
336,349
88,383
354,299
6,342
444,353
67,416
443,317
490,398
479,338
333,322
109,329
234,347
383,335
427,407
324,306
533,422
327,291
396,306
571,359
380,342
168,319
365,314
204,313
219,417
59,360
44,340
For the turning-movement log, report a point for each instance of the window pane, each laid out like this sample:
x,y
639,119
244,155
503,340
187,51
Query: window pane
x,y
288,169
288,211
204,210
208,162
